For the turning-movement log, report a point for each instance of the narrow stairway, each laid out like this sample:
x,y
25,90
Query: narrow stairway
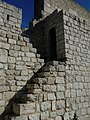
x,y
42,95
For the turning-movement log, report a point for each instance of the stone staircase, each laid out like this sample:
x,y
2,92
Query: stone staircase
x,y
43,96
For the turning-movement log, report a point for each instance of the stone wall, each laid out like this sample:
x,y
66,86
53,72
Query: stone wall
x,y
73,41
39,35
45,96
46,7
35,34
77,51
55,20
67,5
18,59
57,91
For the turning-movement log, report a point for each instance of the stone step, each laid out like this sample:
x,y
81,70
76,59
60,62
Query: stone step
x,y
48,68
23,109
22,117
51,67
55,63
28,98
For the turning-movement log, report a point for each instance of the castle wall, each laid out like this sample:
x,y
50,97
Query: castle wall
x,y
77,51
73,48
18,59
46,95
65,87
35,33
46,7
55,20
67,5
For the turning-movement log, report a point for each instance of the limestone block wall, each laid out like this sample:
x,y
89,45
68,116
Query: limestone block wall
x,y
45,96
67,5
55,20
77,51
38,34
18,59
66,91
35,35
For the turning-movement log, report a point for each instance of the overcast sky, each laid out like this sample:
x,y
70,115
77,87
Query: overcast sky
x,y
28,8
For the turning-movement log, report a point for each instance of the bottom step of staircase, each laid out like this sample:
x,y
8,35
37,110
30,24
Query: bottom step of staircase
x,y
23,109
23,117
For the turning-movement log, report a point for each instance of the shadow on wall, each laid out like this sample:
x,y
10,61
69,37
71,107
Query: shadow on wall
x,y
16,99
35,34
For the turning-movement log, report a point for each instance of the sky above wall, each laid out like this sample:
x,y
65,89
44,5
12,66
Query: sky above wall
x,y
27,7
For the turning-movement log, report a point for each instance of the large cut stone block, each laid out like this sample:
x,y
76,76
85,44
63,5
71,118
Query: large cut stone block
x,y
22,109
3,55
23,117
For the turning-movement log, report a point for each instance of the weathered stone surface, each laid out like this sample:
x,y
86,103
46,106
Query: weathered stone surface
x,y
60,80
44,115
2,110
60,112
49,88
60,95
31,55
45,106
1,65
51,96
24,117
29,97
58,118
61,87
56,90
53,114
3,56
12,41
11,60
4,45
34,117
66,116
53,105
21,109
0,96
60,104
